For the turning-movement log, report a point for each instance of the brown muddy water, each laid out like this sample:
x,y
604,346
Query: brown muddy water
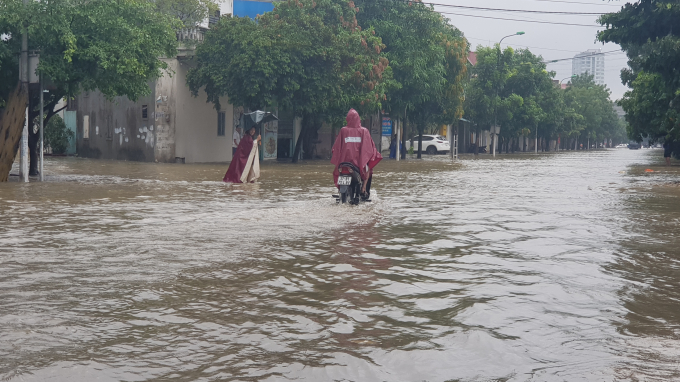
x,y
559,267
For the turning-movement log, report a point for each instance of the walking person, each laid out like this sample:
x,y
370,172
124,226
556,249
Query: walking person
x,y
667,150
245,166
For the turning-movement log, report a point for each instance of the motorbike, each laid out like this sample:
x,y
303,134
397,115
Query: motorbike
x,y
349,184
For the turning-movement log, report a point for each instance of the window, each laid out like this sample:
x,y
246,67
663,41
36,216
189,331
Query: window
x,y
86,127
145,112
214,18
221,123
425,138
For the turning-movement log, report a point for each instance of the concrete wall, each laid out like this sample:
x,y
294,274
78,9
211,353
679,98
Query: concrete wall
x,y
177,127
117,130
196,122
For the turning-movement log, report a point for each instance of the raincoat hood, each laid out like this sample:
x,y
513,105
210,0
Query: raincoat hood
x,y
353,119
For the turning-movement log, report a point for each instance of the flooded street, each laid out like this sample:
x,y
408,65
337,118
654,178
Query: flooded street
x,y
557,267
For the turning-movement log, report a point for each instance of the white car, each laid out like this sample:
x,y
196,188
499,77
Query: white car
x,y
432,144
622,146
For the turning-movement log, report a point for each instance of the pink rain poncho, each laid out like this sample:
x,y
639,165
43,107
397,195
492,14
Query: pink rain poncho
x,y
355,145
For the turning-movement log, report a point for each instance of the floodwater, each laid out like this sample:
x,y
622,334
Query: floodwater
x,y
556,267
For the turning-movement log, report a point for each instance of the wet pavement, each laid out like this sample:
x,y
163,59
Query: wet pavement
x,y
556,267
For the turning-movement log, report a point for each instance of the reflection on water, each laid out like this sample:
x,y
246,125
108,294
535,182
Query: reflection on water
x,y
551,268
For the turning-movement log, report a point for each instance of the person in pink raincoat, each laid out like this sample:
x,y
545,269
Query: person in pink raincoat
x,y
355,145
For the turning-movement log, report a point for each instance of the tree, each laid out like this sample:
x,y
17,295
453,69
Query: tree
x,y
113,46
428,57
527,78
57,135
591,102
514,89
309,56
497,79
648,32
9,61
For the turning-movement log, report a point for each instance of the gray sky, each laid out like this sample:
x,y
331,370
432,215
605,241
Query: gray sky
x,y
552,41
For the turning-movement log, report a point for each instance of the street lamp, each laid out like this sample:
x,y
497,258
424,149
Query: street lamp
x,y
496,129
574,76
510,35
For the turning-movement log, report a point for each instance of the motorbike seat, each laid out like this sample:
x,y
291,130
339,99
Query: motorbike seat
x,y
356,172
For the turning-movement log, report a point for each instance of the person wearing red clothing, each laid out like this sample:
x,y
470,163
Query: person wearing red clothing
x,y
245,165
355,145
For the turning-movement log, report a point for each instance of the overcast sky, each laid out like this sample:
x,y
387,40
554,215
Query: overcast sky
x,y
552,41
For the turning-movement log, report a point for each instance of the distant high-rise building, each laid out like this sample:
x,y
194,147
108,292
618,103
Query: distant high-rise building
x,y
591,62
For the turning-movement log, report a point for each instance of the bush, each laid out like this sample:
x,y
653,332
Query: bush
x,y
57,136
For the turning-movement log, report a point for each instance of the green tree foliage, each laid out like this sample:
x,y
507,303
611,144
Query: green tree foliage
x,y
113,46
57,135
649,33
526,78
428,57
514,89
307,55
9,61
592,103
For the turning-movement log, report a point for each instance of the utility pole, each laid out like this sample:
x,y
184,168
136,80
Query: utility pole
x,y
536,142
23,76
42,129
398,123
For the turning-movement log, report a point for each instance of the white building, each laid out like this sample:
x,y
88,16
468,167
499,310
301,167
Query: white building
x,y
168,125
591,62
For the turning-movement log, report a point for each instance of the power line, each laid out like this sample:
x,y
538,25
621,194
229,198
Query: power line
x,y
576,2
519,10
525,21
618,51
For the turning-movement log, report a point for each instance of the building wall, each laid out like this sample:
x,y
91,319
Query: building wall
x,y
177,127
251,8
196,122
115,129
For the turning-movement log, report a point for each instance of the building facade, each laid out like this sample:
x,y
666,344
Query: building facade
x,y
168,125
591,62
252,8
171,125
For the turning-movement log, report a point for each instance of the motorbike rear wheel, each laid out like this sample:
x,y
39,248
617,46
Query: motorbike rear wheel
x,y
343,197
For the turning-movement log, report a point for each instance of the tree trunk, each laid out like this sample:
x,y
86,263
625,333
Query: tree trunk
x,y
11,126
33,143
310,138
34,135
298,143
402,153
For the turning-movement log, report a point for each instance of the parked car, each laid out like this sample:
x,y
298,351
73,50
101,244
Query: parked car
x,y
432,144
622,146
